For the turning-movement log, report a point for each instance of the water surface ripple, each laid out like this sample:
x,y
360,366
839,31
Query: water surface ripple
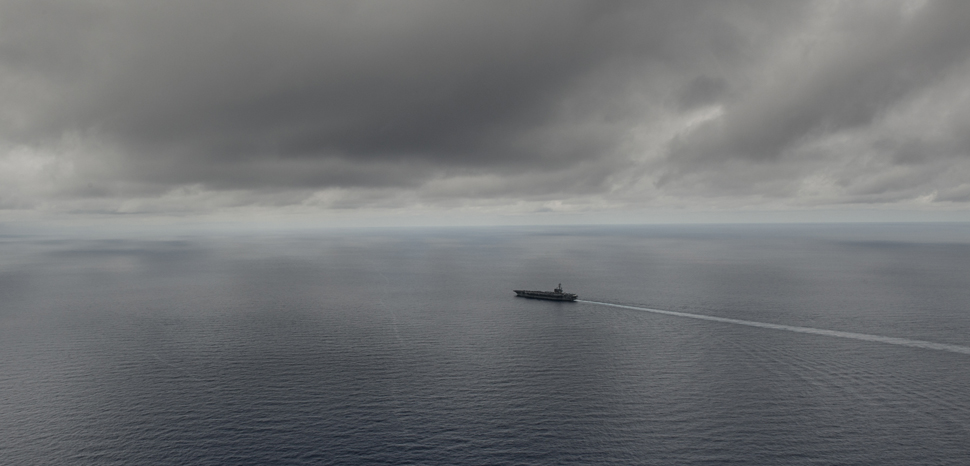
x,y
409,347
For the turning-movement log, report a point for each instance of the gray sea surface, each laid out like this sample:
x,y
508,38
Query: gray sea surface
x,y
767,344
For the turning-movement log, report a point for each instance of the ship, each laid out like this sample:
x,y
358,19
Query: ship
x,y
556,295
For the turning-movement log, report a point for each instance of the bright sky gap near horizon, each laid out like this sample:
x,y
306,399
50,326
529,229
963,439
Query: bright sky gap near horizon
x,y
437,113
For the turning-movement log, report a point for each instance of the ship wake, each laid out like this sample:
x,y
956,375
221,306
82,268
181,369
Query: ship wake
x,y
791,328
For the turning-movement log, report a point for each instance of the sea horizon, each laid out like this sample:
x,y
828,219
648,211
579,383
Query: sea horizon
x,y
697,344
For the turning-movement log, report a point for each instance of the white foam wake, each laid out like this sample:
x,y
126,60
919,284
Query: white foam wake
x,y
791,328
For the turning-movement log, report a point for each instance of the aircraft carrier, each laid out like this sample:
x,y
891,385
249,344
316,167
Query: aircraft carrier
x,y
555,295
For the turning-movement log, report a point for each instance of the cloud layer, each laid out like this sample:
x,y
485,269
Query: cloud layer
x,y
203,105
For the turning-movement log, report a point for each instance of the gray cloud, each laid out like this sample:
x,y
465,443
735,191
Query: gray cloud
x,y
398,103
880,58
229,84
701,91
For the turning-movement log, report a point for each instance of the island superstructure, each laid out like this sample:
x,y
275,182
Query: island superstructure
x,y
555,295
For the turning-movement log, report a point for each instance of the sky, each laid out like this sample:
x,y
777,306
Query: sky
x,y
515,112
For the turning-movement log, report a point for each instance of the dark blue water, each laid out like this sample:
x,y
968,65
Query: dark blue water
x,y
408,347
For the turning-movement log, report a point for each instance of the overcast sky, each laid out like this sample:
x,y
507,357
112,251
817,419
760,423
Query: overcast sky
x,y
519,109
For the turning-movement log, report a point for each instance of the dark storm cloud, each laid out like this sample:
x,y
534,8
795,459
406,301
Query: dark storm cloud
x,y
199,87
426,101
886,58
700,91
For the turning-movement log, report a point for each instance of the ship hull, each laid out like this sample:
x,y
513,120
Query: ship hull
x,y
548,295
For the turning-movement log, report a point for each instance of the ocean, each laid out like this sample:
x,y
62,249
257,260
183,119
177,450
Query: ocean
x,y
705,344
